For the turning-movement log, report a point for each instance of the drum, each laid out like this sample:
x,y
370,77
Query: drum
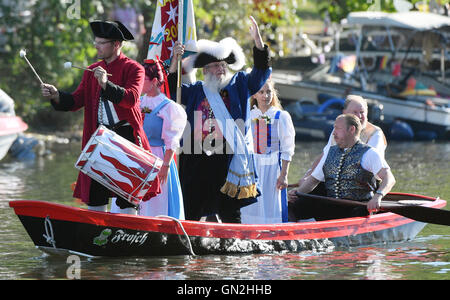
x,y
121,166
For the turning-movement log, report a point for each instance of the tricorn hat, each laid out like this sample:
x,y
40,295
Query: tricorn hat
x,y
226,50
111,30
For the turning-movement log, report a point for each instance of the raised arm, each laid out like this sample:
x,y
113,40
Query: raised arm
x,y
254,32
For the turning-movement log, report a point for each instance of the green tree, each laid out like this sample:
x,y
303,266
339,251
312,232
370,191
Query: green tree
x,y
217,19
339,9
55,31
52,32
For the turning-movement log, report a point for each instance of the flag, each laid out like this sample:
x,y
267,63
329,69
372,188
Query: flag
x,y
165,29
383,62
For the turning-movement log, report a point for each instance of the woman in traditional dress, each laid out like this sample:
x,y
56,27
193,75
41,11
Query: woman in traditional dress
x,y
164,123
274,144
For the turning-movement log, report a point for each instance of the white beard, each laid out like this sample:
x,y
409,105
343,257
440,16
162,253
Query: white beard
x,y
216,85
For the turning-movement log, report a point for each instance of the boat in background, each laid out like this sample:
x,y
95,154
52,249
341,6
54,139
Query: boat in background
x,y
399,60
315,121
10,124
61,229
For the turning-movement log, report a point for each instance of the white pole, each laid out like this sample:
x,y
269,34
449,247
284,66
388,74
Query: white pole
x,y
180,39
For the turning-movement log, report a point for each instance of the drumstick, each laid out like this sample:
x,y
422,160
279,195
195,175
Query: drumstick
x,y
69,65
23,54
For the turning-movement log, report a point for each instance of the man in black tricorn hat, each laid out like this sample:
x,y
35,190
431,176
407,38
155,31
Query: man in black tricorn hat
x,y
109,100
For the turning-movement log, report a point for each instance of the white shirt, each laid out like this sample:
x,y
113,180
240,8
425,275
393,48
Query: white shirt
x,y
174,119
286,130
371,161
103,116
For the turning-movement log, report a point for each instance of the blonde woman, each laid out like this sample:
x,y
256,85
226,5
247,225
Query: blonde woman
x,y
274,144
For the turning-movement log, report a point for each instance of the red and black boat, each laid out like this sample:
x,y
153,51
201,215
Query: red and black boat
x,y
56,228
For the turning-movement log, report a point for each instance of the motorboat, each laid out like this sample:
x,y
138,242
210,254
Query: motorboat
x,y
10,124
399,60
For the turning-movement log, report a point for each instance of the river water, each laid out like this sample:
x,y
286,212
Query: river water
x,y
419,167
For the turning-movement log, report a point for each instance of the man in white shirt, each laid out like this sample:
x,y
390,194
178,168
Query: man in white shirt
x,y
349,170
370,134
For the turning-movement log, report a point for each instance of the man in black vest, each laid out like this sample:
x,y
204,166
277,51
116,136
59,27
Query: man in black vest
x,y
349,170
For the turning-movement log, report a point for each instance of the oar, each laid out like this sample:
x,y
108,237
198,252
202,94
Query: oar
x,y
415,212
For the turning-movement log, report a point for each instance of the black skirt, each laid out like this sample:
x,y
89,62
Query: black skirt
x,y
201,178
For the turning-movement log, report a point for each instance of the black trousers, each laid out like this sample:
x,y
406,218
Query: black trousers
x,y
201,178
98,194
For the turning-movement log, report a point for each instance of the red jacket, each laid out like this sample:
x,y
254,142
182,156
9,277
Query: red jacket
x,y
123,89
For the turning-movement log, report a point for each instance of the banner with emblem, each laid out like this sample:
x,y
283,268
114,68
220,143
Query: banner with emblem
x,y
167,25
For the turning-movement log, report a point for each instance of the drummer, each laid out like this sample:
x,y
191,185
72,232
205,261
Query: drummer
x,y
109,100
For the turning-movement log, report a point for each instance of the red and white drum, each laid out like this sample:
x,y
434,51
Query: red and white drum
x,y
121,166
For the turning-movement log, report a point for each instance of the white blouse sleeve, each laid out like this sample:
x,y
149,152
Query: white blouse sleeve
x,y
287,136
174,120
145,102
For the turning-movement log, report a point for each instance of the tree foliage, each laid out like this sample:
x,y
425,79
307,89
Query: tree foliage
x,y
339,9
52,32
55,31
51,35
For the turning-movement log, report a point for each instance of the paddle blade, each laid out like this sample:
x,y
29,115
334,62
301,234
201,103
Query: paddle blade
x,y
420,213
416,212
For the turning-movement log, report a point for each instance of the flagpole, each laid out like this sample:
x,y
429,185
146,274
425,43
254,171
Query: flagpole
x,y
180,39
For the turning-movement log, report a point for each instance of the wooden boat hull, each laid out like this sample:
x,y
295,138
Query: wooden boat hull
x,y
56,228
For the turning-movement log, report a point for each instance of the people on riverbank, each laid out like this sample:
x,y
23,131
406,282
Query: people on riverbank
x,y
274,145
349,170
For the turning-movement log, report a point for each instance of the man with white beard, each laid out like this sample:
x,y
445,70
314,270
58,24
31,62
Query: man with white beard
x,y
217,177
